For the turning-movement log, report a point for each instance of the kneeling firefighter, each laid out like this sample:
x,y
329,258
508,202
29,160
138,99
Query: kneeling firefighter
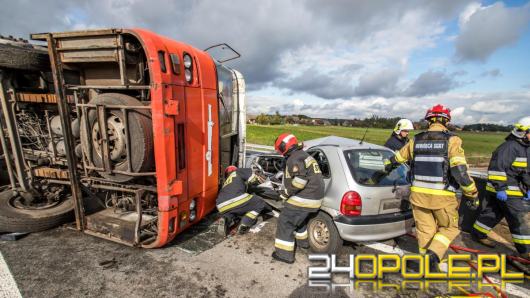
x,y
508,190
303,193
438,168
234,202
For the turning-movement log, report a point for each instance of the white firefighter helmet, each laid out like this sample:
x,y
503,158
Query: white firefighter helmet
x,y
522,127
403,124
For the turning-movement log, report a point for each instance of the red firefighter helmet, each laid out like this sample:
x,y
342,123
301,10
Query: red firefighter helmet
x,y
438,111
285,142
230,169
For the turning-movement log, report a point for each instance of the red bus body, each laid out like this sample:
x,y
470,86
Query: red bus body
x,y
188,132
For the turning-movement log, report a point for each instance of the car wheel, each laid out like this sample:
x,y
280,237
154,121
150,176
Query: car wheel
x,y
323,234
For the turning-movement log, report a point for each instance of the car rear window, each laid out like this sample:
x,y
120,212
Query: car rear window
x,y
367,165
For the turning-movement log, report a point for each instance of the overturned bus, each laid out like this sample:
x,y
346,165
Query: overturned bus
x,y
126,130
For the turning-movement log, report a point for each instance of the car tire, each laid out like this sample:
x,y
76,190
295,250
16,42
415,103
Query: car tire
x,y
140,130
323,234
17,220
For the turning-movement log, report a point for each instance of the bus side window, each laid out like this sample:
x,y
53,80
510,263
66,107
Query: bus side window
x,y
175,63
162,59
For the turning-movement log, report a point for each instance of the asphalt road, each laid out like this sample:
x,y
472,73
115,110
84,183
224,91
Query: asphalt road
x,y
65,263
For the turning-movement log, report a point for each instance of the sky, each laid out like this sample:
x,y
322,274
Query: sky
x,y
335,58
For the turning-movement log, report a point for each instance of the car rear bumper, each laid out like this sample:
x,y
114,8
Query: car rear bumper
x,y
374,227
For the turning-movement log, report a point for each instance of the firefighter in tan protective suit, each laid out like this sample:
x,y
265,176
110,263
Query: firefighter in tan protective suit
x,y
438,169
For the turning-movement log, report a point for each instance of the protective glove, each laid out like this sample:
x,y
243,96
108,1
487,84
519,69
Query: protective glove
x,y
261,178
527,197
473,203
471,195
388,166
258,171
284,195
502,196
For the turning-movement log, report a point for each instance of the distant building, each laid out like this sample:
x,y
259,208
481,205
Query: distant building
x,y
293,120
251,119
320,122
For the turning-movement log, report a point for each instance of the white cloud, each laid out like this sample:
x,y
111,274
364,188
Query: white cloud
x,y
466,108
298,102
486,29
493,107
457,112
355,54
468,12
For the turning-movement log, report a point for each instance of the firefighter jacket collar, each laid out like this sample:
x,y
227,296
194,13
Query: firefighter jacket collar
x,y
523,141
437,127
399,137
291,151
396,142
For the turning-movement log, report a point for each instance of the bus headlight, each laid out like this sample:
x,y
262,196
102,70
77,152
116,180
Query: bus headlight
x,y
188,69
193,214
187,75
187,61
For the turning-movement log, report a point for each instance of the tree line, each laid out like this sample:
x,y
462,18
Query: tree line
x,y
373,121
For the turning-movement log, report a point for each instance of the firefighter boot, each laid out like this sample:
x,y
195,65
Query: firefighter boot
x,y
434,262
223,225
484,241
243,229
304,244
277,257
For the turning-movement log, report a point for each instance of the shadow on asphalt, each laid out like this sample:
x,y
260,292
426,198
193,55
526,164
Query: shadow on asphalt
x,y
199,237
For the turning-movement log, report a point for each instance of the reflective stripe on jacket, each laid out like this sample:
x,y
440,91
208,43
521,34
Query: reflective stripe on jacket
x,y
303,181
508,169
439,165
235,185
430,163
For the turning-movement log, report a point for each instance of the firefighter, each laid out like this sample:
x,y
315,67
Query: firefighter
x,y
438,168
400,135
508,190
233,201
302,194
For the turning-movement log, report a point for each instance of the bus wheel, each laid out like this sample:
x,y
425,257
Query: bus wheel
x,y
140,137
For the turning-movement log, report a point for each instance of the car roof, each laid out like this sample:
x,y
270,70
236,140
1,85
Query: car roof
x,y
341,143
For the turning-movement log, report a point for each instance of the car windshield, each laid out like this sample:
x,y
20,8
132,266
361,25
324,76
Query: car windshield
x,y
367,167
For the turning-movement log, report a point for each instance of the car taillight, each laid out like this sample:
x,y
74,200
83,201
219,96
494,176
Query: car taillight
x,y
351,204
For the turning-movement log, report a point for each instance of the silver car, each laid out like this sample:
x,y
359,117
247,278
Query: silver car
x,y
360,203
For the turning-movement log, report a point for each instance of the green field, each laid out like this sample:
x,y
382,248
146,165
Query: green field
x,y
478,146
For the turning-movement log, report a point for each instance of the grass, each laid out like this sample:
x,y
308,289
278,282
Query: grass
x,y
477,145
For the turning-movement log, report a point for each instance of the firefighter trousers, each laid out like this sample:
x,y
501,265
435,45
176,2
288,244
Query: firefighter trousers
x,y
436,228
291,230
515,210
248,212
